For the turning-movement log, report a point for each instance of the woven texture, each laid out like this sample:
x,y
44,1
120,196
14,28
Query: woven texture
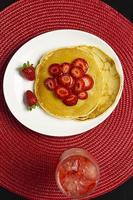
x,y
28,159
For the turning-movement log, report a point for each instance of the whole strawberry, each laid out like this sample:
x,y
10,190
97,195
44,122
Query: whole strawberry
x,y
28,71
31,100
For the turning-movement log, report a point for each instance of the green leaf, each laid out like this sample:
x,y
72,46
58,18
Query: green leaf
x,y
24,65
33,106
29,108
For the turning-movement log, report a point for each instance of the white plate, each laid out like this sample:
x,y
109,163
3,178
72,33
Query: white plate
x,y
15,86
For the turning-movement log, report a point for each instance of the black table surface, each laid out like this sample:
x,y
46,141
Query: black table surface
x,y
125,191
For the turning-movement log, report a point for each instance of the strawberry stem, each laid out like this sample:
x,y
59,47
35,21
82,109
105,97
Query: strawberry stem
x,y
28,63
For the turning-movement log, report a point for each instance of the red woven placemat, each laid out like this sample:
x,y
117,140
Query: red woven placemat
x,y
28,159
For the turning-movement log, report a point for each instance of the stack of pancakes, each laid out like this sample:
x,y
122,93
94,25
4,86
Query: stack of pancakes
x,y
103,71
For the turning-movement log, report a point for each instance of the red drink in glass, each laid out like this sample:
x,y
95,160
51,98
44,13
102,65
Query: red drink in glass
x,y
77,173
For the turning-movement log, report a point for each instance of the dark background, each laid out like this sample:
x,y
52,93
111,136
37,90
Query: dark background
x,y
125,191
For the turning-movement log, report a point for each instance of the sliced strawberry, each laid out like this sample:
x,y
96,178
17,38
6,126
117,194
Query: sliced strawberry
x,y
62,92
80,62
83,95
79,86
66,80
50,83
28,71
31,99
72,83
56,81
54,69
71,100
77,72
65,68
88,81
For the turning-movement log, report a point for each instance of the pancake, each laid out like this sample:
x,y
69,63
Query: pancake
x,y
111,82
49,102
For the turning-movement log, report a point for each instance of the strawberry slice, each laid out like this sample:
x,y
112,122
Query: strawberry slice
x,y
80,62
72,83
56,81
66,80
71,100
88,81
31,99
83,95
65,68
79,86
50,83
77,72
28,71
62,92
54,69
